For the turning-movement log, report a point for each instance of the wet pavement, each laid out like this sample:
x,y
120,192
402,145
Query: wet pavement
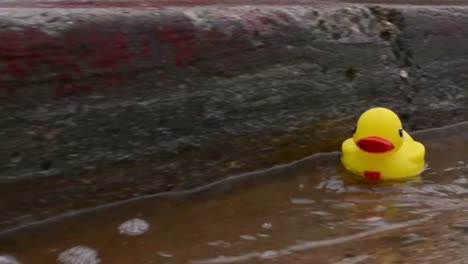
x,y
309,211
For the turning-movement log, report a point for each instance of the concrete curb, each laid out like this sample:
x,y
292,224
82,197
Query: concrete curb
x,y
105,104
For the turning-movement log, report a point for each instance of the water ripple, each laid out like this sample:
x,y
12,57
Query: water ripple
x,y
308,245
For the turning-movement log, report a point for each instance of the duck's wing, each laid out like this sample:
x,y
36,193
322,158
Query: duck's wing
x,y
416,151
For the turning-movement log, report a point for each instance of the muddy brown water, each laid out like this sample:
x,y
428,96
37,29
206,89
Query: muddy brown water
x,y
310,211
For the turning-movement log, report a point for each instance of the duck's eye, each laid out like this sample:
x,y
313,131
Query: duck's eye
x,y
400,131
354,130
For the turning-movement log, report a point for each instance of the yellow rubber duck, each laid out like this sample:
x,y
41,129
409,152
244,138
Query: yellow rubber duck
x,y
381,150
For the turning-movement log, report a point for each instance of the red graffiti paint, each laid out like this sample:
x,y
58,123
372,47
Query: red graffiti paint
x,y
89,58
281,16
146,48
14,68
152,3
12,47
111,49
59,59
261,23
193,3
182,42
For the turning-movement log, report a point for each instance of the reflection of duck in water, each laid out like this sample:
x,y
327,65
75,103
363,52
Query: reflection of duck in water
x,y
380,149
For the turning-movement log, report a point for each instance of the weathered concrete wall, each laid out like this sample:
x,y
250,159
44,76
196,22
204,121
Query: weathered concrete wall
x,y
110,103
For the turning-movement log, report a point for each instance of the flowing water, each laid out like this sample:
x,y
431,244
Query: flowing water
x,y
311,211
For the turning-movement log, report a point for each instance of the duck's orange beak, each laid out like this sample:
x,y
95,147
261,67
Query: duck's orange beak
x,y
375,144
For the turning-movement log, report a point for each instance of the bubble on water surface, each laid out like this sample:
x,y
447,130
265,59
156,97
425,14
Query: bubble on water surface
x,y
267,226
354,260
373,219
364,224
247,237
319,213
164,254
404,74
301,201
134,227
412,238
269,254
5,259
452,168
79,255
343,205
221,243
461,181
405,205
334,184
380,208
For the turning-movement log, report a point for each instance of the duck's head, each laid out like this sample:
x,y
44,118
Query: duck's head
x,y
378,130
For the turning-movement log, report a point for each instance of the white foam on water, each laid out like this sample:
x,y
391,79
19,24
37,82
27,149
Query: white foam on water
x,y
134,227
6,259
79,255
